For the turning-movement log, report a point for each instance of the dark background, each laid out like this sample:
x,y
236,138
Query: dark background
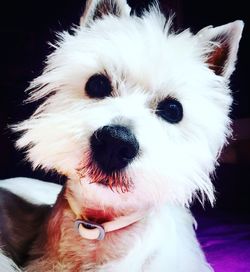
x,y
27,26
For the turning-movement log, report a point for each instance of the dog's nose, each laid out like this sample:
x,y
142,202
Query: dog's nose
x,y
113,147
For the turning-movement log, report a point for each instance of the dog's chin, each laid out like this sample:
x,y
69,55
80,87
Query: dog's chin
x,y
106,196
99,203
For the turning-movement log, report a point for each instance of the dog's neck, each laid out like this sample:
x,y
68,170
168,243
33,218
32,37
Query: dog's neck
x,y
60,246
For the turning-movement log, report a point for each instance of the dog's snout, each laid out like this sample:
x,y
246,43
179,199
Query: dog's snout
x,y
113,147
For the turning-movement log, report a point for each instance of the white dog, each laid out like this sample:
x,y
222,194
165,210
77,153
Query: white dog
x,y
135,116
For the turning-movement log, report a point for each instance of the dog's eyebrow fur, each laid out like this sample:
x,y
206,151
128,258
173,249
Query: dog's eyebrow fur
x,y
20,223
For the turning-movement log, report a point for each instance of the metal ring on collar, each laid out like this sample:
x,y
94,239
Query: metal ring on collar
x,y
90,230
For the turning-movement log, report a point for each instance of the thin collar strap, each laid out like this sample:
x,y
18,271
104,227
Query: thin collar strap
x,y
93,231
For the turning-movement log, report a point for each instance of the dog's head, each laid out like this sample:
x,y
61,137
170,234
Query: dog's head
x,y
135,114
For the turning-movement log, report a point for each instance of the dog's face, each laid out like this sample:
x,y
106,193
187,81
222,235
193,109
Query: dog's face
x,y
136,115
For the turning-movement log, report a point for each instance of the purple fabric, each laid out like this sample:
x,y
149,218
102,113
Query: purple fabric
x,y
225,240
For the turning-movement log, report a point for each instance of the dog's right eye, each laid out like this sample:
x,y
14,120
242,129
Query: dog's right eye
x,y
170,110
98,86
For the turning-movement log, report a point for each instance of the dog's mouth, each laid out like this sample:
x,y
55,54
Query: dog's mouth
x,y
117,181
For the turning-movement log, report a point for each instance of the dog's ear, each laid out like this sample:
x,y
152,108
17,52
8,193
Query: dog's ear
x,y
97,9
224,41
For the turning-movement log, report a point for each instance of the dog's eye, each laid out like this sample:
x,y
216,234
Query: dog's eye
x,y
171,110
98,86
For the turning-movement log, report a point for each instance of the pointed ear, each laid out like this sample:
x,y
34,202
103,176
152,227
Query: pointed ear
x,y
97,9
224,41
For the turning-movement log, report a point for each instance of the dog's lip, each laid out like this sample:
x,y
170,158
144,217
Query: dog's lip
x,y
118,181
99,216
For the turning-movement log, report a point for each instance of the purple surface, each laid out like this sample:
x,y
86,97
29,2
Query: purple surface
x,y
225,240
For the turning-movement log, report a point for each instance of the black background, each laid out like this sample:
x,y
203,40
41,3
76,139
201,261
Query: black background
x,y
27,26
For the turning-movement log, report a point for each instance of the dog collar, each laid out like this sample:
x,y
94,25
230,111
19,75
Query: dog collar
x,y
94,231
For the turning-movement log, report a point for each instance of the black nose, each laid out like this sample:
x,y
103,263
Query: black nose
x,y
113,147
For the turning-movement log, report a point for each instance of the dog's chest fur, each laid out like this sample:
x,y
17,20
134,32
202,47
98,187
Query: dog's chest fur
x,y
66,250
150,245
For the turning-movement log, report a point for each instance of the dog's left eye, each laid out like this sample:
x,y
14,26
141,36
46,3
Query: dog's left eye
x,y
98,86
171,110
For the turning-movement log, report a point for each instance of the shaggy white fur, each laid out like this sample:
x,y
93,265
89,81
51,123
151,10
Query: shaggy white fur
x,y
146,62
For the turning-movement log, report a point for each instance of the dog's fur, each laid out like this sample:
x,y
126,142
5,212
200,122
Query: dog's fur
x,y
146,62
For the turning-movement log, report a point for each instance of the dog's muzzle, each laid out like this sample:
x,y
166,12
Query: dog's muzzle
x,y
113,147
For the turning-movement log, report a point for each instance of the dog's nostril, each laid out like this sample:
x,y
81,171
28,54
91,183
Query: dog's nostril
x,y
113,147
